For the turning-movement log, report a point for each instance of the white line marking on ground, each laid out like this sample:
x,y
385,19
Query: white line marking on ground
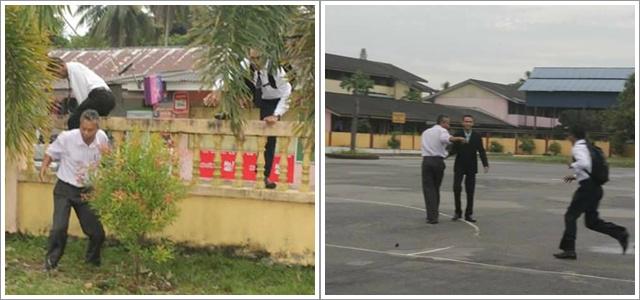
x,y
529,270
388,252
430,251
476,228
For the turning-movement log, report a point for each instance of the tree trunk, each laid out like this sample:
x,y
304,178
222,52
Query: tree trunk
x,y
354,124
167,22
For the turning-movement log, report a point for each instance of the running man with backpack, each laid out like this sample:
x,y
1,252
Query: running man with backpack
x,y
591,171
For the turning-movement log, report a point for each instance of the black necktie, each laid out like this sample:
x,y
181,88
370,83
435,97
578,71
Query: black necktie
x,y
257,93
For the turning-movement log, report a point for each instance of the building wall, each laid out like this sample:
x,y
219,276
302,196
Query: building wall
x,y
333,86
541,122
473,96
283,228
401,90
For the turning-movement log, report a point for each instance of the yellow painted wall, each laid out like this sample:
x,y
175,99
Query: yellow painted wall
x,y
284,229
340,139
380,141
417,142
406,142
363,140
333,86
401,90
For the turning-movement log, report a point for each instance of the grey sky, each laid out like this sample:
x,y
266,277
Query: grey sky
x,y
493,43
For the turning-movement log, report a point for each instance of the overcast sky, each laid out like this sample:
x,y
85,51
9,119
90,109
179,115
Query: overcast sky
x,y
492,43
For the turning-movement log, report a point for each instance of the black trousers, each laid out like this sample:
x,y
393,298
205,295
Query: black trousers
x,y
267,108
586,199
66,196
432,174
469,188
100,99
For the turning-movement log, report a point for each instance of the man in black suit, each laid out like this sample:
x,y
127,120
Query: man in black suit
x,y
466,165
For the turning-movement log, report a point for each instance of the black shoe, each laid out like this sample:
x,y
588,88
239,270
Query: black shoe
x,y
270,185
49,266
566,255
624,242
432,222
456,217
470,219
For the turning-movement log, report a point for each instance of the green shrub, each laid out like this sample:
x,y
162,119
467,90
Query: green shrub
x,y
136,191
555,148
393,142
526,144
496,147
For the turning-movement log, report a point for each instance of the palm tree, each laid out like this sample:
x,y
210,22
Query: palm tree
x,y
121,25
359,84
28,83
167,15
413,95
285,36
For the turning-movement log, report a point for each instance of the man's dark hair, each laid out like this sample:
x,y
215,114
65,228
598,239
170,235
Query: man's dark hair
x,y
441,118
578,132
468,116
90,115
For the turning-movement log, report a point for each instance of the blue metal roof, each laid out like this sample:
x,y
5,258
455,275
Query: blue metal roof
x,y
573,85
581,73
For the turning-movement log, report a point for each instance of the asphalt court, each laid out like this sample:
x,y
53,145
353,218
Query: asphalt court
x,y
377,241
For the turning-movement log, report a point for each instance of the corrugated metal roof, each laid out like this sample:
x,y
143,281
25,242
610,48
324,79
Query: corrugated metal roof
x,y
580,73
374,68
509,92
108,63
376,107
573,85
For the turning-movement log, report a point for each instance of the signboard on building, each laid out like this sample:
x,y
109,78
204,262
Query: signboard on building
x,y
398,117
181,104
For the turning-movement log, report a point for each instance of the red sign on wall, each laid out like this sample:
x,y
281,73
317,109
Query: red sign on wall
x,y
249,162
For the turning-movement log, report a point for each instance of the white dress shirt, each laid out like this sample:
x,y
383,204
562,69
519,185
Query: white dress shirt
x,y
435,141
76,157
282,90
582,161
82,80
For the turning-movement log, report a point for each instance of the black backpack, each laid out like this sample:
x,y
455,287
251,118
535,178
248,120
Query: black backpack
x,y
599,166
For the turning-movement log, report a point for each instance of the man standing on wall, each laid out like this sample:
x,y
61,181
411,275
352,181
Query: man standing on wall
x,y
270,94
89,89
466,165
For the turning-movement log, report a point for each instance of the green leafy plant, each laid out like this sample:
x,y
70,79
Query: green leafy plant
x,y
496,147
136,191
526,144
555,148
393,142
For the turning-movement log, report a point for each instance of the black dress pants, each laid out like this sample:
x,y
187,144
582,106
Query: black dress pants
x,y
66,196
432,174
100,99
469,188
267,108
586,200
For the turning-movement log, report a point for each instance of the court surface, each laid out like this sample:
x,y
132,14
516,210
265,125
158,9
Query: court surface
x,y
377,241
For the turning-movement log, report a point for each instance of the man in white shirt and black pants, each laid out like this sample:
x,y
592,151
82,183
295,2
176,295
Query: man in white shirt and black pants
x,y
434,151
585,199
270,94
90,91
79,151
